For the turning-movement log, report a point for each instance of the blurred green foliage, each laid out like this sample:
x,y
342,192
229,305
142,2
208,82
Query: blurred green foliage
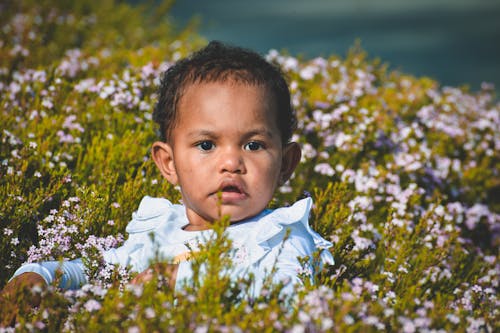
x,y
404,174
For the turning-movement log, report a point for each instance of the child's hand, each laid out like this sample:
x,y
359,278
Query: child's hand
x,y
13,301
167,270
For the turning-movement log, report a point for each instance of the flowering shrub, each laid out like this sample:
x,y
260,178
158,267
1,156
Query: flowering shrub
x,y
404,174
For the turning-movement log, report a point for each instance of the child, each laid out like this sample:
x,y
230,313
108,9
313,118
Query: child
x,y
225,122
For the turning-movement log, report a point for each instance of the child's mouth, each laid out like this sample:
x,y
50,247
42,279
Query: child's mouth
x,y
231,189
230,192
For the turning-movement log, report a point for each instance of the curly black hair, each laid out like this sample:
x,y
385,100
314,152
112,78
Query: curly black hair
x,y
219,62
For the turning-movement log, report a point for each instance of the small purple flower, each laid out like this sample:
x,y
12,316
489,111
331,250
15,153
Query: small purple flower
x,y
92,305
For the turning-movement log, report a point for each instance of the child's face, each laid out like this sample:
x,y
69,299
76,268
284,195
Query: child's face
x,y
225,146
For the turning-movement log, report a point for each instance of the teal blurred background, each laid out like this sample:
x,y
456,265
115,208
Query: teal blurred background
x,y
454,41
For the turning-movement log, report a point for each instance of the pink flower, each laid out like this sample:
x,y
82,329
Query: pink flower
x,y
92,305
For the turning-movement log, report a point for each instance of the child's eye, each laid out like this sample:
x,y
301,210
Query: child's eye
x,y
253,146
206,145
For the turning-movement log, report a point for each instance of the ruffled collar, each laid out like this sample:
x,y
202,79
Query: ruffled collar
x,y
166,220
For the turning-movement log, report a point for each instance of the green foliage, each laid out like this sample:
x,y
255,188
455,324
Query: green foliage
x,y
404,175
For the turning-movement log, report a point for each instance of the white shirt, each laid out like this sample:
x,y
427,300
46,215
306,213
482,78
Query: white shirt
x,y
157,229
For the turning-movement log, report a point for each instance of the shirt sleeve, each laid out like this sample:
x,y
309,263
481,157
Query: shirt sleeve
x,y
73,272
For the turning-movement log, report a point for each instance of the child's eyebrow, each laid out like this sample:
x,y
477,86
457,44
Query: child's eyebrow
x,y
203,133
211,134
259,131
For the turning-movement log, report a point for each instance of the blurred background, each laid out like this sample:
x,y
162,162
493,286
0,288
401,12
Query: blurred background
x,y
454,41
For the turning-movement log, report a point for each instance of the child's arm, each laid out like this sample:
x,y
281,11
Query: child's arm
x,y
37,274
72,272
166,270
11,304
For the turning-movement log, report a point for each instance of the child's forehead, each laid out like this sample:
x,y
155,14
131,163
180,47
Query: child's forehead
x,y
211,101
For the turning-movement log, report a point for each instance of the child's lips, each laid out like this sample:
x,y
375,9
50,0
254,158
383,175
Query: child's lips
x,y
230,191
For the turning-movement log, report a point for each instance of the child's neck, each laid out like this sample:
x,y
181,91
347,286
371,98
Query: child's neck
x,y
194,227
196,222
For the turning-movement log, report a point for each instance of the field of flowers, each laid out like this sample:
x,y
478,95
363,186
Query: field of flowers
x,y
404,174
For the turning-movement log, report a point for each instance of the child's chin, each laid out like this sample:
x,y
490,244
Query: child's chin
x,y
236,214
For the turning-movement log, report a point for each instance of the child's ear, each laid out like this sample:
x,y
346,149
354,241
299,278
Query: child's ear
x,y
291,158
164,159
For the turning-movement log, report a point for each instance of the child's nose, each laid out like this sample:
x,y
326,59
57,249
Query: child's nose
x,y
232,161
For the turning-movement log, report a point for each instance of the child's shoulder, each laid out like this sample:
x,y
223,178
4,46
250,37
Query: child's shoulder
x,y
273,225
293,220
289,224
296,213
274,221
153,212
